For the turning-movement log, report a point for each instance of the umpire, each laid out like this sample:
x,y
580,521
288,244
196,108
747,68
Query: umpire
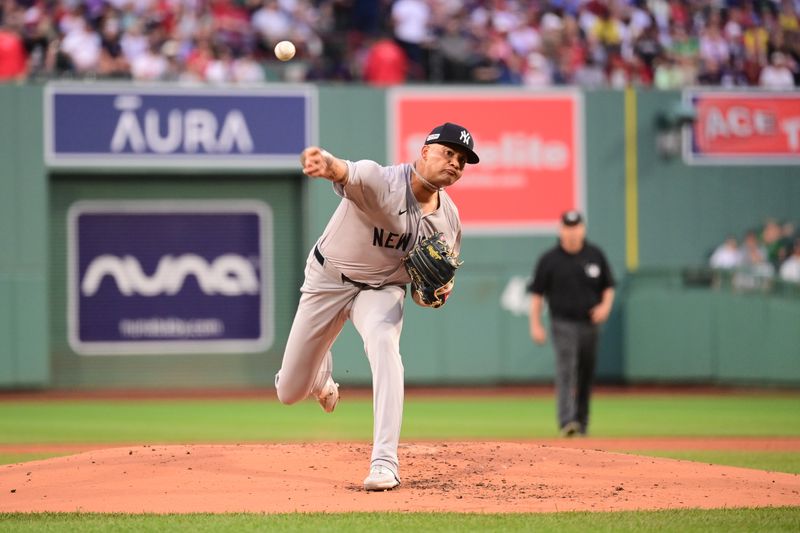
x,y
577,283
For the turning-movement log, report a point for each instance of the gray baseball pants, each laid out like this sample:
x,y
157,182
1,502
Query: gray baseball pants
x,y
325,305
576,352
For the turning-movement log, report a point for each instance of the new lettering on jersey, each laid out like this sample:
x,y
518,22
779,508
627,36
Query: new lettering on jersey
x,y
167,277
530,145
743,128
103,125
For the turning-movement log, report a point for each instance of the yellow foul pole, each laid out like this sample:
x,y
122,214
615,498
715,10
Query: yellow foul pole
x,y
631,184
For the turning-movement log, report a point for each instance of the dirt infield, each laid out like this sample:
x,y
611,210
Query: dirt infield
x,y
437,476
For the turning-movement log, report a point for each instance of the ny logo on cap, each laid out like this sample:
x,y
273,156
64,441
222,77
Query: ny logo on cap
x,y
465,136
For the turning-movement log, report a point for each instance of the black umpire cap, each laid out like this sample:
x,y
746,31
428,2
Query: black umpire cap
x,y
571,218
454,135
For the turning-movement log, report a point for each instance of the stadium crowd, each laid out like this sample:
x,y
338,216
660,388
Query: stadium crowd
x,y
774,251
590,43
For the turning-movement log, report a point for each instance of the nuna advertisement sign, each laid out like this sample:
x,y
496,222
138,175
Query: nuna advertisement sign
x,y
155,277
530,145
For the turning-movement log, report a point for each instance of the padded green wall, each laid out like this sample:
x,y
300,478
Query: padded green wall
x,y
678,333
24,346
683,213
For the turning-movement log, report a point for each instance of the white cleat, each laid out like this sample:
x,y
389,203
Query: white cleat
x,y
329,396
380,478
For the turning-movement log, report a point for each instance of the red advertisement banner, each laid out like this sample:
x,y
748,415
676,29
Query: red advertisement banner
x,y
530,149
744,128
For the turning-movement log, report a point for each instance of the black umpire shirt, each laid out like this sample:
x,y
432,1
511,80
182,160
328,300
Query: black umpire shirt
x,y
572,283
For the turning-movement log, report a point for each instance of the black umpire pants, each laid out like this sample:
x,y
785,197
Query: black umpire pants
x,y
576,353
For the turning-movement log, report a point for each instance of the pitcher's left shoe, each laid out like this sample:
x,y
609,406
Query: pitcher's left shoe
x,y
328,397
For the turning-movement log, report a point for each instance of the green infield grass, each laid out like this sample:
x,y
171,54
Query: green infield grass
x,y
788,462
486,418
723,520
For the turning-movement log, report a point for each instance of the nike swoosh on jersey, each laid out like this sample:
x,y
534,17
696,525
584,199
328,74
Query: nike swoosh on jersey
x,y
402,211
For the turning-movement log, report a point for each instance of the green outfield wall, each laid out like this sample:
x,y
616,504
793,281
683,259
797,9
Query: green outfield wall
x,y
660,330
716,332
24,194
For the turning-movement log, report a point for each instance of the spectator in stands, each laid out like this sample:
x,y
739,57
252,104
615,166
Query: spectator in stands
x,y
386,63
608,30
134,42
787,18
524,38
220,69
112,62
175,65
411,23
777,75
684,49
756,272
753,252
197,60
455,54
13,59
771,241
537,71
727,256
667,73
150,65
271,23
246,69
714,52
648,48
669,44
786,241
755,41
790,269
82,44
590,75
231,28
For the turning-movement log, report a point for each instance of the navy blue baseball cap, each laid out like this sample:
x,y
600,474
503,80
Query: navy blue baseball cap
x,y
454,135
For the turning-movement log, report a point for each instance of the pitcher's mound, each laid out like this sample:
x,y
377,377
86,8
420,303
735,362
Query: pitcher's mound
x,y
452,476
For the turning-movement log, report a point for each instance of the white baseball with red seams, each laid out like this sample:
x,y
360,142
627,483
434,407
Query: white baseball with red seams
x,y
285,50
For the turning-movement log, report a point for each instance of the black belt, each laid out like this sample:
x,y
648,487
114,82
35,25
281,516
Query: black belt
x,y
319,256
321,259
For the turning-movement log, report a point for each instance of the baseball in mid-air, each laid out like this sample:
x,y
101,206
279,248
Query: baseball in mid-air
x,y
284,50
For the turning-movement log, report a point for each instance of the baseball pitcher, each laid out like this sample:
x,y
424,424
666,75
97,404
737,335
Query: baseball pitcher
x,y
395,225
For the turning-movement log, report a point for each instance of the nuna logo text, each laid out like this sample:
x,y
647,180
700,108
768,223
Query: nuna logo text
x,y
227,275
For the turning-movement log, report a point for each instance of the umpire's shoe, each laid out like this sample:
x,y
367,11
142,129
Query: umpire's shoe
x,y
571,429
328,397
380,478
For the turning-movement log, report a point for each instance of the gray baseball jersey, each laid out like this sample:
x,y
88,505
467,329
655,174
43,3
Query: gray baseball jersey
x,y
377,222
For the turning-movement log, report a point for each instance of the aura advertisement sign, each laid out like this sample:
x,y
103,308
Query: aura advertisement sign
x,y
162,126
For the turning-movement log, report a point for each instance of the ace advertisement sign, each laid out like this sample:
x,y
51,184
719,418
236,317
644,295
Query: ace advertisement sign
x,y
530,145
745,128
169,277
